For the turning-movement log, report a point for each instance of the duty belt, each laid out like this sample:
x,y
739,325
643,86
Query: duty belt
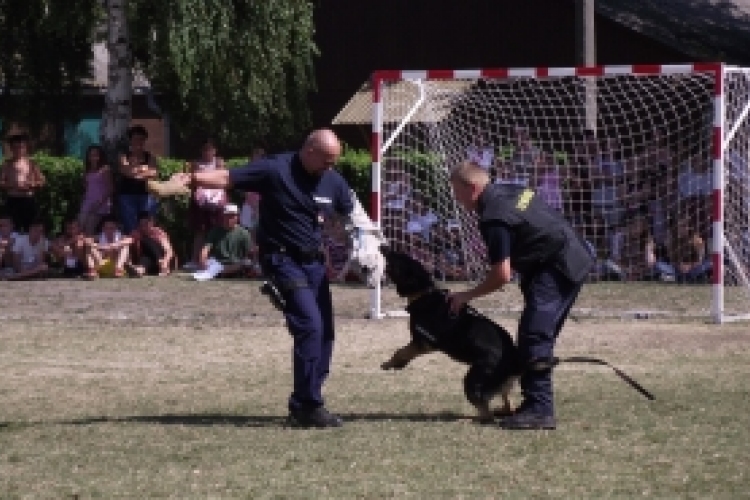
x,y
300,255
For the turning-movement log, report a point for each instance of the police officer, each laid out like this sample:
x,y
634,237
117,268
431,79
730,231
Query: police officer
x,y
299,190
524,234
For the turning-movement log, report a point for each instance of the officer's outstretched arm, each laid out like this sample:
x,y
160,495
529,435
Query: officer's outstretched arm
x,y
217,179
497,277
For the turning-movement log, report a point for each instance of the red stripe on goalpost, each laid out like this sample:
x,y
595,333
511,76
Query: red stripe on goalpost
x,y
590,71
441,74
387,75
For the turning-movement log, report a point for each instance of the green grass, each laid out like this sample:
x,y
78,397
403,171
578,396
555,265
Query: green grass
x,y
191,409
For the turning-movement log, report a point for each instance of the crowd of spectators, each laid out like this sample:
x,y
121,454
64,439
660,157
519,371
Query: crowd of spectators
x,y
645,211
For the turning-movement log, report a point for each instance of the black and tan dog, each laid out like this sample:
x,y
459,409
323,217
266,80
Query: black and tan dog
x,y
467,337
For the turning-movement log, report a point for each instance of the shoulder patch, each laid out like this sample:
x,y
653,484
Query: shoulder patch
x,y
524,199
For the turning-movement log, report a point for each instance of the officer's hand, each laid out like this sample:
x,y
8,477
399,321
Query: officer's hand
x,y
457,300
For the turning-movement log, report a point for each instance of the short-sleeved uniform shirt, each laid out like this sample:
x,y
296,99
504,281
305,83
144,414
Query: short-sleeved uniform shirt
x,y
294,203
497,237
229,246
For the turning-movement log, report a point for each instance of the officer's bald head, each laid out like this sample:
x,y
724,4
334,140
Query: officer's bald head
x,y
468,180
321,151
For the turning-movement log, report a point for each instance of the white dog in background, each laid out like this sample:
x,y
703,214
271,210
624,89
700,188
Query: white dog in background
x,y
365,239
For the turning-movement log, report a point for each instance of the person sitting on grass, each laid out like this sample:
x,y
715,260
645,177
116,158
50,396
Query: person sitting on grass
x,y
7,237
336,249
152,251
228,248
107,254
30,254
69,249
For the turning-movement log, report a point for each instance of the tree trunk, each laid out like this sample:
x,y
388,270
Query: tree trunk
x,y
117,101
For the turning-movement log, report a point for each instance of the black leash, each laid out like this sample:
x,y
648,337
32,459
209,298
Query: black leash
x,y
595,361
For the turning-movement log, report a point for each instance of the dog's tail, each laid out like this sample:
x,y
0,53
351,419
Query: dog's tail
x,y
595,361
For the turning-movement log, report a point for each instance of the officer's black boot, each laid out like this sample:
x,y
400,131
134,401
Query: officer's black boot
x,y
536,412
314,418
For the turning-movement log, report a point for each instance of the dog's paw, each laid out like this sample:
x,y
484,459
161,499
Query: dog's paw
x,y
484,420
392,365
503,411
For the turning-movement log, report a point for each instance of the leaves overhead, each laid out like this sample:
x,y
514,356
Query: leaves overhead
x,y
237,69
46,55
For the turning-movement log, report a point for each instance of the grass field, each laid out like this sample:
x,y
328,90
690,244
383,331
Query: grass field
x,y
169,389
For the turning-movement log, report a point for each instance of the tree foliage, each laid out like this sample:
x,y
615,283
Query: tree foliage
x,y
46,56
238,69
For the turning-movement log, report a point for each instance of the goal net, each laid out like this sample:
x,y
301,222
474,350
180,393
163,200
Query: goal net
x,y
648,163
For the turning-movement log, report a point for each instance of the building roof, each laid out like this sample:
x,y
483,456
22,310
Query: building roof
x,y
714,30
359,108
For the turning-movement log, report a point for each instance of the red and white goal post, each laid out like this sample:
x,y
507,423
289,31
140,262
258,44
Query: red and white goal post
x,y
650,162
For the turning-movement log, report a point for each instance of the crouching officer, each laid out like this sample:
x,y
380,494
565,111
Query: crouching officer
x,y
523,233
298,191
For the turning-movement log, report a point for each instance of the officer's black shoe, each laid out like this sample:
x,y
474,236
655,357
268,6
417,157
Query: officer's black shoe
x,y
527,420
316,417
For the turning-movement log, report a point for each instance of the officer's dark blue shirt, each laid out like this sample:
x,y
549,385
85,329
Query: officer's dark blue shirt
x,y
293,202
497,237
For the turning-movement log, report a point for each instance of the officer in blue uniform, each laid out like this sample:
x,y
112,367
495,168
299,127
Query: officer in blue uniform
x,y
298,191
524,234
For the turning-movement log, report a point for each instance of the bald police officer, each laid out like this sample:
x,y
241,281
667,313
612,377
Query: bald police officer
x,y
524,234
299,190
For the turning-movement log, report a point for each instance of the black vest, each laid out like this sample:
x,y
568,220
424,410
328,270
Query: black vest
x,y
540,235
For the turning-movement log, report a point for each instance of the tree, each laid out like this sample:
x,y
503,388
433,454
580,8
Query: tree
x,y
117,101
46,56
238,69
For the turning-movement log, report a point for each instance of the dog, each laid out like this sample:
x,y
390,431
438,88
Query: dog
x,y
365,240
468,337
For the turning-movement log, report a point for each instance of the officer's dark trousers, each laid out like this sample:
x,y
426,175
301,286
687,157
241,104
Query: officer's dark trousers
x,y
309,317
548,297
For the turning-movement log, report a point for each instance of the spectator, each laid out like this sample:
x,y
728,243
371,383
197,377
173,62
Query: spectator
x,y
7,237
20,178
396,188
525,152
30,254
250,212
634,255
694,186
152,252
97,197
227,250
206,204
421,218
691,264
136,167
578,184
606,178
587,148
336,248
107,255
548,183
451,265
396,196
69,249
481,152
